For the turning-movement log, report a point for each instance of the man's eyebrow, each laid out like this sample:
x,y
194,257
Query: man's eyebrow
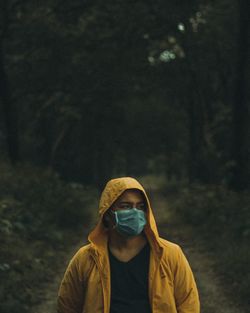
x,y
131,202
124,202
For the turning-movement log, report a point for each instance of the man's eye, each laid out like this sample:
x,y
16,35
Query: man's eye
x,y
125,206
142,207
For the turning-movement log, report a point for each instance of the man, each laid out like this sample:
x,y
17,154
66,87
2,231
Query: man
x,y
127,267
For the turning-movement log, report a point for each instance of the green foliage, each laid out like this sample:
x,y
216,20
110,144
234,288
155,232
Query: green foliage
x,y
40,216
221,218
217,209
90,77
43,197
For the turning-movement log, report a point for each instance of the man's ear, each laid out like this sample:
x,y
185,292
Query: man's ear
x,y
106,219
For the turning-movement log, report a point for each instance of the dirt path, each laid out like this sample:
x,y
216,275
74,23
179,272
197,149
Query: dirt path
x,y
212,294
48,296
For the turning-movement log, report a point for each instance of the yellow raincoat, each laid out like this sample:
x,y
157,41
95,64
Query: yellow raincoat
x,y
85,287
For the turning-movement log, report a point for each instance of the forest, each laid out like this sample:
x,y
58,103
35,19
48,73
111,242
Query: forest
x,y
91,90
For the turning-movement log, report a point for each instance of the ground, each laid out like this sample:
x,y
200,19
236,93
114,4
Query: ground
x,y
213,295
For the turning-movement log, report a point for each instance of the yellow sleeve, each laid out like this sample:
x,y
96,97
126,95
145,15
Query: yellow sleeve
x,y
71,291
186,293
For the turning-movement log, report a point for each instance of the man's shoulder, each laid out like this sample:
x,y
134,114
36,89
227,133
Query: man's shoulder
x,y
170,249
82,262
83,250
166,244
82,253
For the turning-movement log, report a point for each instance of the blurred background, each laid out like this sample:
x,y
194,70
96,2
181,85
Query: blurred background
x,y
91,90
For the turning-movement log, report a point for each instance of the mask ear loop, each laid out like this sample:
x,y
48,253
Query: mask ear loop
x,y
116,219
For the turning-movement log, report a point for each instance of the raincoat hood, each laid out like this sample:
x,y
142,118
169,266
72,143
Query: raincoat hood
x,y
110,194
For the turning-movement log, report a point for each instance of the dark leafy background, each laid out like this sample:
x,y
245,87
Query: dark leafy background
x,y
91,90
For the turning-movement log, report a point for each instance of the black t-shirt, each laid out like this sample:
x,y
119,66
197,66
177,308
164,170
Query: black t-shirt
x,y
129,283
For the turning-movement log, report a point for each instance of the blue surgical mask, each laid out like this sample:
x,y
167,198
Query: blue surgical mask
x,y
130,222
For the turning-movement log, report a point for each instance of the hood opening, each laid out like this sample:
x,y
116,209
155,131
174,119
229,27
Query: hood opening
x,y
112,191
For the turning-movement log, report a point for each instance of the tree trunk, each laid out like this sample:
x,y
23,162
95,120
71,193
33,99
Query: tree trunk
x,y
196,142
240,153
9,113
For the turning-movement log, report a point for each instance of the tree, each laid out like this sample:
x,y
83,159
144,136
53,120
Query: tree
x,y
240,152
8,108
